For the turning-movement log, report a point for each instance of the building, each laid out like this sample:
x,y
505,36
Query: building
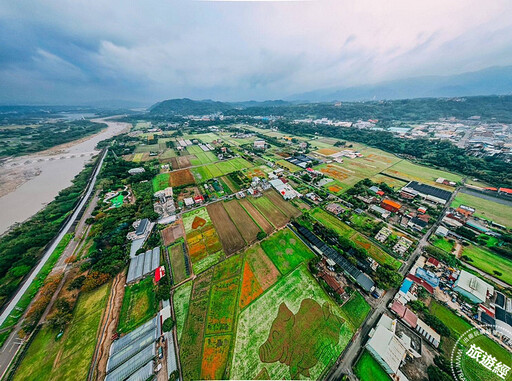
x,y
389,349
417,224
474,288
427,192
383,234
334,209
259,144
136,171
441,231
427,276
142,230
383,213
390,205
189,201
285,190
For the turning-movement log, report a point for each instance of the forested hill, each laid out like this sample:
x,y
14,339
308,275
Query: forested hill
x,y
497,108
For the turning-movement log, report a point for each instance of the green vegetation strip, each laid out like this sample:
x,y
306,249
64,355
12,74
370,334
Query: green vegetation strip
x,y
32,290
489,210
489,262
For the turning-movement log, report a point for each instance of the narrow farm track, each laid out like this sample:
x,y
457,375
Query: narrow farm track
x,y
108,326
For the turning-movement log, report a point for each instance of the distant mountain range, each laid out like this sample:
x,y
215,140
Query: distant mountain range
x,y
490,81
187,106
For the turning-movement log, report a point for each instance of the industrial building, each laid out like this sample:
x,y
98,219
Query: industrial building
x,y
427,192
474,288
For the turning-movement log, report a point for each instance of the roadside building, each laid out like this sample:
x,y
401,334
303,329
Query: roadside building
x,y
259,144
426,192
381,212
474,288
417,224
390,205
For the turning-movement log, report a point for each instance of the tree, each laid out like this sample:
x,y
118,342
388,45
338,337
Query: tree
x,y
261,235
76,283
436,374
168,324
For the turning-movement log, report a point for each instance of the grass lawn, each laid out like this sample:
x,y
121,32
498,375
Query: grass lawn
x,y
444,244
356,309
160,181
69,357
367,368
286,250
409,171
489,262
139,305
489,210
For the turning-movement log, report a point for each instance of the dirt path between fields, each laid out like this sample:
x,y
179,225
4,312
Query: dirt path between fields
x,y
108,328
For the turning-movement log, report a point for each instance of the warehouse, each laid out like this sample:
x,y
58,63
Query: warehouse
x,y
427,192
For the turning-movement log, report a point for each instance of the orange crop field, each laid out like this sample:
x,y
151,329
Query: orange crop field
x,y
327,151
334,188
215,357
251,289
335,172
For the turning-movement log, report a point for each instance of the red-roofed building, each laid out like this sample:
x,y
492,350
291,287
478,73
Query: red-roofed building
x,y
380,193
398,308
422,210
390,205
505,190
491,189
433,262
421,282
410,318
333,283
199,199
159,273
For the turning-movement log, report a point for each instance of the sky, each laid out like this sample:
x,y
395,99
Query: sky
x,y
78,52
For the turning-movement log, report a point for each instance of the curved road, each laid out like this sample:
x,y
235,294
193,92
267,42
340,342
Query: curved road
x,y
52,247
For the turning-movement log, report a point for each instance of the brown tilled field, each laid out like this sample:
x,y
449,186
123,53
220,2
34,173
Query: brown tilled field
x,y
183,161
286,207
242,220
229,235
172,233
179,178
257,216
334,172
268,209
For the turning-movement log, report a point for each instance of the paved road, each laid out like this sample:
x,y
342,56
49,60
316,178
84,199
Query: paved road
x,y
13,342
345,363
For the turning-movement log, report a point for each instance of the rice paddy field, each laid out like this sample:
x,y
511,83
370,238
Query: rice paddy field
x,y
274,215
219,169
489,262
226,314
204,246
69,357
359,239
408,171
486,209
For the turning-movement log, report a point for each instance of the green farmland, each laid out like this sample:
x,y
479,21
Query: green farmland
x,y
160,182
489,262
356,308
414,172
69,357
139,305
486,209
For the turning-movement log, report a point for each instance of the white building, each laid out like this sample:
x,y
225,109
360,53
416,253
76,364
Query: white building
x,y
284,190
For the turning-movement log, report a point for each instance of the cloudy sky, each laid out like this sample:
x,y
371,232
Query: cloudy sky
x,y
72,52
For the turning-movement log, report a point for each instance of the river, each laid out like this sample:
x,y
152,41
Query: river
x,y
37,179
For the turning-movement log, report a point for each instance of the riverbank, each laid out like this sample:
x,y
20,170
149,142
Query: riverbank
x,y
28,183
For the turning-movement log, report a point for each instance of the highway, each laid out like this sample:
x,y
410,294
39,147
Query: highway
x,y
346,361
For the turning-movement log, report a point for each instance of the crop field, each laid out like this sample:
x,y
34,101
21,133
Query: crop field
x,y
267,209
457,327
233,187
393,183
139,305
489,262
264,270
160,181
219,169
327,151
247,227
138,157
413,172
285,206
332,222
251,288
315,337
286,250
142,148
444,244
68,358
181,161
346,231
167,154
181,299
260,220
178,263
179,178
289,166
221,310
486,209
203,243
367,368
356,309
260,172
173,232
229,235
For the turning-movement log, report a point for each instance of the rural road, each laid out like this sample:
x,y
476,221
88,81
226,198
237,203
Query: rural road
x,y
345,363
